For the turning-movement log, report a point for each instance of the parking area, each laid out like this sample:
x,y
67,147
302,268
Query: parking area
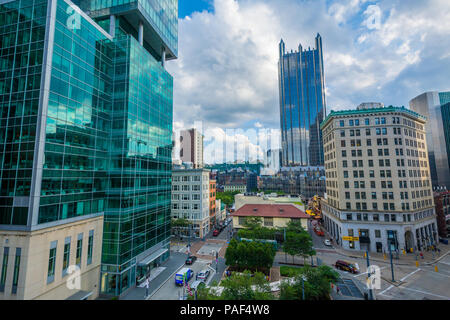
x,y
210,249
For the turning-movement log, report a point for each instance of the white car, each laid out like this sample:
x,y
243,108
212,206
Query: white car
x,y
327,242
203,275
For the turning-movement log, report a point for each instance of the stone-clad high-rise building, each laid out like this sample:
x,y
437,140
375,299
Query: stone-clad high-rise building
x,y
379,195
85,144
302,104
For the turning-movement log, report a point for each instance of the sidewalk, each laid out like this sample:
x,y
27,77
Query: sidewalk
x,y
175,262
403,259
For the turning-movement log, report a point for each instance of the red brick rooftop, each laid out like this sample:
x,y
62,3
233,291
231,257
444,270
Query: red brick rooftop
x,y
270,210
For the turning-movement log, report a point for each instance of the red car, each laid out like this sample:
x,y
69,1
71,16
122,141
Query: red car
x,y
216,233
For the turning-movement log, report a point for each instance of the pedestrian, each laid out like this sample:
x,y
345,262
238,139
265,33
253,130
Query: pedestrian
x,y
146,288
421,254
338,290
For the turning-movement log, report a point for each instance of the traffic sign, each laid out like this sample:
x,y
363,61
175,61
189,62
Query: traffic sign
x,y
348,238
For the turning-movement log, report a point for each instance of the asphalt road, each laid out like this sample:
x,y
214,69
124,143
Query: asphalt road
x,y
411,282
170,291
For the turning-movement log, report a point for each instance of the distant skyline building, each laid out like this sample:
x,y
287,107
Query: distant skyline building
x,y
302,104
191,147
429,104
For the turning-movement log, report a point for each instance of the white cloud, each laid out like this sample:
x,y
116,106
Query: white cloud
x,y
227,73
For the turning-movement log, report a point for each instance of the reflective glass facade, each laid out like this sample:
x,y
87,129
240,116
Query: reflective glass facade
x,y
162,15
302,105
429,104
104,106
445,110
22,31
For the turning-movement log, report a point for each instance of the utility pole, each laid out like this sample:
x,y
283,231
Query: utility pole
x,y
392,265
368,276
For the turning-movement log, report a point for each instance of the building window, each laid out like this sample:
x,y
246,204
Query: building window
x,y
4,268
268,222
51,262
377,234
66,256
90,247
16,271
376,217
79,250
241,221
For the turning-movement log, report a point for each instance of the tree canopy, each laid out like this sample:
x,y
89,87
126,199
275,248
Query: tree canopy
x,y
317,284
251,255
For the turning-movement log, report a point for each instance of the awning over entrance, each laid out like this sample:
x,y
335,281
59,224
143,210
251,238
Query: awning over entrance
x,y
152,257
80,295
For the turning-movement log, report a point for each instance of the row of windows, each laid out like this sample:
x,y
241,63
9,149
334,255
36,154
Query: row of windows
x,y
188,178
186,187
378,121
66,255
390,206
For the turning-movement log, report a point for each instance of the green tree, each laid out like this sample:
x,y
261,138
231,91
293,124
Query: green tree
x,y
251,255
253,223
317,284
295,226
246,287
298,243
227,197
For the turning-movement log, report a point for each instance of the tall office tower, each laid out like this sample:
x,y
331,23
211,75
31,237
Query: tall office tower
x,y
191,147
378,187
302,104
85,143
445,111
429,104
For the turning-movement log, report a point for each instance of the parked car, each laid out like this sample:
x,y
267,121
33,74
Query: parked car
x,y
191,259
203,275
183,275
444,241
327,242
346,266
216,233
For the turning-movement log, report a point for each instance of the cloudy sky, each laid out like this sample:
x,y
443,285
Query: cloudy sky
x,y
226,74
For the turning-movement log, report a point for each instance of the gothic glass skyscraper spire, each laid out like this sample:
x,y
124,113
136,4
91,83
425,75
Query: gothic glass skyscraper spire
x,y
302,104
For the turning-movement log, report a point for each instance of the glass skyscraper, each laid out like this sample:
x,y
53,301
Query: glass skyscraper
x,y
86,124
445,110
302,104
430,105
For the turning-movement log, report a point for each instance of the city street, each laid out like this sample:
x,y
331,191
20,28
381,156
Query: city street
x,y
411,282
170,291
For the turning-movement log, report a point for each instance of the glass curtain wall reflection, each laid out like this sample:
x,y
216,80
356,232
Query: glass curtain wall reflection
x,y
107,137
302,105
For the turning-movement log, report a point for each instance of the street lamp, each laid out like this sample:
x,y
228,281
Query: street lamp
x,y
368,276
392,265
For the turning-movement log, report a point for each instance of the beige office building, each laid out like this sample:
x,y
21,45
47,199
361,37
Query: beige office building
x,y
378,187
55,263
